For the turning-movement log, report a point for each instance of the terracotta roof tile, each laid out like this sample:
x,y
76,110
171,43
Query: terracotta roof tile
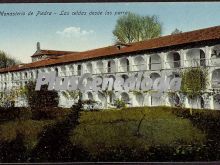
x,y
208,34
51,52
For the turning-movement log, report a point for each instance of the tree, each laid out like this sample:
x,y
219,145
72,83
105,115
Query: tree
x,y
40,100
6,60
176,31
133,27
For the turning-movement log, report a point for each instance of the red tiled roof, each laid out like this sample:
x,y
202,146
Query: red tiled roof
x,y
208,34
51,52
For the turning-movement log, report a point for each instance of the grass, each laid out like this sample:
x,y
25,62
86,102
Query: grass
x,y
99,131
29,130
165,134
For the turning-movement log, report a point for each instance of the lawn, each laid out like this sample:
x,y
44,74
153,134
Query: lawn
x,y
99,132
129,134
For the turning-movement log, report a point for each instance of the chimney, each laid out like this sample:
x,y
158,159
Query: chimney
x,y
38,46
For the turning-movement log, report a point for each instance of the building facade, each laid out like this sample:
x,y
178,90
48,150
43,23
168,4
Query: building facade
x,y
163,57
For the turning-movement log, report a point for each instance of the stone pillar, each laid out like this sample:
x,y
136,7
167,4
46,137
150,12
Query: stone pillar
x,y
131,63
116,65
105,66
182,58
208,53
94,67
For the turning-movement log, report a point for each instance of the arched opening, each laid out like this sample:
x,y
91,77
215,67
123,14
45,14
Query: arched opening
x,y
89,68
125,65
90,96
154,76
79,70
174,100
102,99
25,75
173,75
56,70
111,66
125,97
155,62
139,63
31,75
112,98
216,78
216,102
195,57
215,56
173,59
12,76
139,99
125,77
202,102
155,100
202,58
100,66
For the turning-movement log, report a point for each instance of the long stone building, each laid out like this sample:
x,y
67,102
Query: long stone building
x,y
164,56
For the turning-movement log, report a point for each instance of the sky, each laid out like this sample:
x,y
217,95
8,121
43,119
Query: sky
x,y
19,34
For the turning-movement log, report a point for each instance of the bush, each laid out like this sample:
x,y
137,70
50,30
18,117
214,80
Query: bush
x,y
42,99
53,113
20,113
119,103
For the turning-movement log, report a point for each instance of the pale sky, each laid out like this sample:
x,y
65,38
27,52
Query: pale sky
x,y
19,34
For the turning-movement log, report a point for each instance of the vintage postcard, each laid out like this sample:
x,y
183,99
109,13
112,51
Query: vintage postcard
x,y
110,82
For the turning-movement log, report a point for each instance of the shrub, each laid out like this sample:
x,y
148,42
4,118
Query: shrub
x,y
118,103
53,113
19,113
42,99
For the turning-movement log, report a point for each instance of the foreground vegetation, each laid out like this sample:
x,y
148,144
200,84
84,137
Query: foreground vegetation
x,y
129,134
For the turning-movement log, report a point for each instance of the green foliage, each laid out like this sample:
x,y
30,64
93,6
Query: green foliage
x,y
7,98
194,81
109,130
42,99
167,134
14,113
6,61
133,27
119,103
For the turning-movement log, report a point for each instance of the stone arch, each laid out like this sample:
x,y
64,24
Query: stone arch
x,y
155,62
173,60
125,65
195,57
216,101
111,66
102,99
215,80
154,76
125,97
154,100
112,98
125,76
215,51
89,67
139,99
139,63
173,75
79,70
90,95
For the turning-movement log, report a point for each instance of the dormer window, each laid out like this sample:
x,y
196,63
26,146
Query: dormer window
x,y
121,45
